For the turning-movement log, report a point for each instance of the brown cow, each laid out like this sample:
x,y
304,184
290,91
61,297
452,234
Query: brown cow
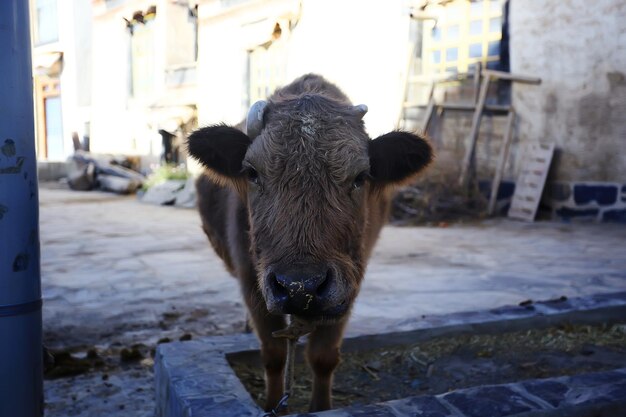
x,y
294,208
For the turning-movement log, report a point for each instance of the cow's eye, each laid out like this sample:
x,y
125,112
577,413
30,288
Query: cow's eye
x,y
252,175
359,180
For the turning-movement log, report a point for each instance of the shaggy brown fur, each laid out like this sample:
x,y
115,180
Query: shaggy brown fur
x,y
312,189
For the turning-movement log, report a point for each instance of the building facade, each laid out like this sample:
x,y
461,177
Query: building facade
x,y
144,72
61,36
119,71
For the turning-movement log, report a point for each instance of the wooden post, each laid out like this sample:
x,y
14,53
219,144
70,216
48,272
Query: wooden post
x,y
478,113
429,109
504,155
477,72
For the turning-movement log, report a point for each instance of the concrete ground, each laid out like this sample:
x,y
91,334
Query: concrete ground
x,y
118,273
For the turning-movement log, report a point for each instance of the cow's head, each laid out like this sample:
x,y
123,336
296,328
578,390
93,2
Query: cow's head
x,y
309,175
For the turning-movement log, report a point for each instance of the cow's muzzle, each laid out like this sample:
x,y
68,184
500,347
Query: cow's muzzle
x,y
308,291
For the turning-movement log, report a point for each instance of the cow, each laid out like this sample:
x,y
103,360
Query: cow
x,y
293,203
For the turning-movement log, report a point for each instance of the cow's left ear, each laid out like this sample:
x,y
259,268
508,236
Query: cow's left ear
x,y
221,150
397,156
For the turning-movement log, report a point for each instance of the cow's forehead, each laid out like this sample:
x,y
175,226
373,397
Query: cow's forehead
x,y
312,144
311,133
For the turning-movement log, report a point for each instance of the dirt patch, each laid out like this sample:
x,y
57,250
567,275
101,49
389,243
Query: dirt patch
x,y
438,201
62,363
444,364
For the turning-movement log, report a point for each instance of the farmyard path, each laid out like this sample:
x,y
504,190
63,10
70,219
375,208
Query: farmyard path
x,y
116,272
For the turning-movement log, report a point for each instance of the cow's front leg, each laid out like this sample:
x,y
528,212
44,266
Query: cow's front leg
x,y
323,357
273,350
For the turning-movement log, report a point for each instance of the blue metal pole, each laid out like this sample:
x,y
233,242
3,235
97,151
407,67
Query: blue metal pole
x,y
21,386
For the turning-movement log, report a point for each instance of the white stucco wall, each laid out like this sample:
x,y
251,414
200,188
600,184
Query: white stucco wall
x,y
578,48
120,123
111,119
361,46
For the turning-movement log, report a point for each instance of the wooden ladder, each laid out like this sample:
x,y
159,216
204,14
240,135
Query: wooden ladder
x,y
481,80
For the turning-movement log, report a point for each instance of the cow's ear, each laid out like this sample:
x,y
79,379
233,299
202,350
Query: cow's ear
x,y
221,150
396,157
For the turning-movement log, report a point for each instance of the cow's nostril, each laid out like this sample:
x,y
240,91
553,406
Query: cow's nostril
x,y
324,287
277,288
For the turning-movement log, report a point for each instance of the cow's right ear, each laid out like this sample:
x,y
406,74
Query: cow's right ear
x,y
221,150
396,157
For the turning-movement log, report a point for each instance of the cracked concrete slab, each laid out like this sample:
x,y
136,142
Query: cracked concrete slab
x,y
116,272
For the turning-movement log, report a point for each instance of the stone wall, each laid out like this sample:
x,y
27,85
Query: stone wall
x,y
586,201
577,48
450,137
51,171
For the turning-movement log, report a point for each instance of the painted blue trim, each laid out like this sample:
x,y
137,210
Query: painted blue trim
x,y
19,309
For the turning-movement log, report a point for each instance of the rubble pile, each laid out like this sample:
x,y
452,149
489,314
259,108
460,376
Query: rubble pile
x,y
87,171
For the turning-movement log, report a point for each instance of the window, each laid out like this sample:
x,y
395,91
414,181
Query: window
x,y
436,34
494,48
495,6
182,36
476,27
452,54
54,128
476,8
46,27
49,118
466,32
453,32
475,50
436,57
495,25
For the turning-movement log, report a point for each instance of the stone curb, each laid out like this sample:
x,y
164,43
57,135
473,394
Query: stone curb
x,y
194,379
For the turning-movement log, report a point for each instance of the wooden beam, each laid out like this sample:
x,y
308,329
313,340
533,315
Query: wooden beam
x,y
500,108
437,78
512,77
504,156
472,107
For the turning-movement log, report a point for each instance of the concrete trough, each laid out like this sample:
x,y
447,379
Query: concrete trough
x,y
194,379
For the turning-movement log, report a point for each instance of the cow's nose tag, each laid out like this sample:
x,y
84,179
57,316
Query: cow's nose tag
x,y
295,330
292,333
